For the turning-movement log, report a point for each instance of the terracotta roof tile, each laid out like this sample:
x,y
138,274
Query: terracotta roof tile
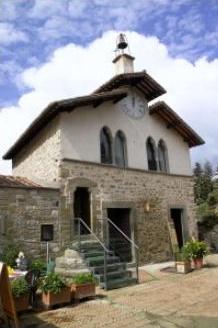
x,y
12,181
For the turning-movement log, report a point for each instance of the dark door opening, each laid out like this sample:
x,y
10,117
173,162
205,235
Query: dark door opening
x,y
82,208
176,215
117,242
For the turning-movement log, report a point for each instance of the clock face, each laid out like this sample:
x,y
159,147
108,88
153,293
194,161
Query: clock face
x,y
133,105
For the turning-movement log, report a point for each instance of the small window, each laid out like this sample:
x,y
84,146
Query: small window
x,y
106,146
47,232
120,149
151,154
162,156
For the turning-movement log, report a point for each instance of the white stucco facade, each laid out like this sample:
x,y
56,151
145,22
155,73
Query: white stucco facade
x,y
80,136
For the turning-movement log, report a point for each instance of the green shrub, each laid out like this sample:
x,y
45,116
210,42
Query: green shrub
x,y
196,249
10,253
83,278
52,282
38,265
19,287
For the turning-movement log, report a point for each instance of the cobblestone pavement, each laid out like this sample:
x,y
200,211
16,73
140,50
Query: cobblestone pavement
x,y
167,301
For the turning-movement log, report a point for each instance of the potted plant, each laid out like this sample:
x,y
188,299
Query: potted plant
x,y
82,286
197,250
38,266
183,261
54,290
20,292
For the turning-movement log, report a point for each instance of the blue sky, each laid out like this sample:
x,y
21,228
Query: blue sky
x,y
31,29
40,38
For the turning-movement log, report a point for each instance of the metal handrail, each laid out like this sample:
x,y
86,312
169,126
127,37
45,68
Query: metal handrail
x,y
106,251
124,235
87,227
131,242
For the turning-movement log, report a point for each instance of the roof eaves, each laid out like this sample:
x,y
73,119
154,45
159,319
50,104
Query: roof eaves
x,y
178,123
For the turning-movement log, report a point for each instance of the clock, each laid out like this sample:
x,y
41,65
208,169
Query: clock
x,y
133,105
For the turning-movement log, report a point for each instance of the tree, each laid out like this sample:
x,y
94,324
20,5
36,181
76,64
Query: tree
x,y
208,170
203,182
197,169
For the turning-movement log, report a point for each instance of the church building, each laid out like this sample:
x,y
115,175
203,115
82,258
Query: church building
x,y
108,156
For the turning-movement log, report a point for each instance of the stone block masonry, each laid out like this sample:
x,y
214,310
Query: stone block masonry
x,y
22,212
113,187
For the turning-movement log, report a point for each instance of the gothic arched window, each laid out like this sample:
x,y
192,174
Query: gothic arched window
x,y
162,156
120,149
151,154
106,146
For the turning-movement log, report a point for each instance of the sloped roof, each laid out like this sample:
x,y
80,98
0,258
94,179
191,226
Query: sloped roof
x,y
174,121
140,80
55,108
12,181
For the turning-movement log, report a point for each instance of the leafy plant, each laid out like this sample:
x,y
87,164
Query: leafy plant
x,y
10,253
183,255
196,249
19,287
83,278
52,282
38,265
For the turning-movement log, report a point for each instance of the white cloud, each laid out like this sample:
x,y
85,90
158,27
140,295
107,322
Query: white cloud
x,y
9,34
75,70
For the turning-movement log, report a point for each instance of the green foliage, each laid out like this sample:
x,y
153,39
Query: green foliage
x,y
10,253
19,287
183,254
83,278
52,282
38,265
203,182
197,169
196,249
208,170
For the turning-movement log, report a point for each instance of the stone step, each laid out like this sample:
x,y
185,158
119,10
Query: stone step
x,y
113,275
94,253
69,261
71,253
70,272
99,260
110,268
85,245
118,283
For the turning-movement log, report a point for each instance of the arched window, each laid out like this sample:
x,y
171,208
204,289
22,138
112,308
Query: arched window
x,y
120,149
106,147
162,156
151,154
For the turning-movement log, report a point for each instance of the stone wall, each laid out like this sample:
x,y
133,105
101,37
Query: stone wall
x,y
108,186
23,210
39,159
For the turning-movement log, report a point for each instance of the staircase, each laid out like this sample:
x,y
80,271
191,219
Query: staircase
x,y
110,272
89,253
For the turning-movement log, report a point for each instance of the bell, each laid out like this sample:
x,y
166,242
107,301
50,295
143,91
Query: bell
x,y
122,41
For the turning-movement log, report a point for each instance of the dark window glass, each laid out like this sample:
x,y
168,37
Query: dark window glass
x,y
47,232
120,149
106,149
152,163
162,156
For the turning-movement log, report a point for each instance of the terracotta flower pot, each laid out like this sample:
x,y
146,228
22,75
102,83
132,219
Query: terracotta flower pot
x,y
198,263
183,266
79,292
50,299
21,303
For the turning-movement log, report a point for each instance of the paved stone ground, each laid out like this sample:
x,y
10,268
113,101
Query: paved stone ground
x,y
166,300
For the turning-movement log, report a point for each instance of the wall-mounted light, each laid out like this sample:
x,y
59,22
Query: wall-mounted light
x,y
146,206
